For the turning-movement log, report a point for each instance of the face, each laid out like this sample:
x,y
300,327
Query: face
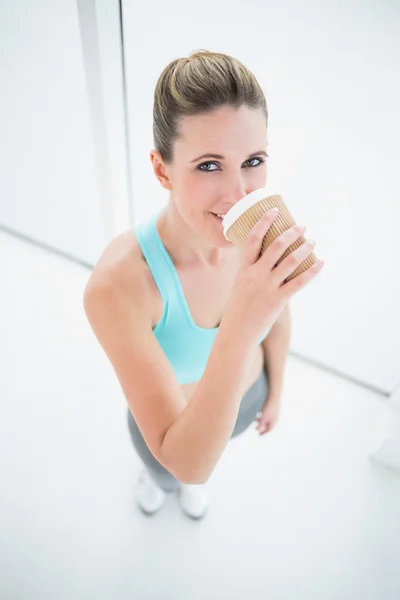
x,y
203,187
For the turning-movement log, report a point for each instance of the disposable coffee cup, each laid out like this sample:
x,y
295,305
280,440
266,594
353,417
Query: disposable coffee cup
x,y
239,221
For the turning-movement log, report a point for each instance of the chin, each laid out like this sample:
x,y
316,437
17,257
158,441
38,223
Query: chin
x,y
220,241
224,243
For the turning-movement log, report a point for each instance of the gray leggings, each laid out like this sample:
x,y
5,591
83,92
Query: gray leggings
x,y
251,403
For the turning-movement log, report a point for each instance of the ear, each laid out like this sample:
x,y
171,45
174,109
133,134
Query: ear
x,y
161,171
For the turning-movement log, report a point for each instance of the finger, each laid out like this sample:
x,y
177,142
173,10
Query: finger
x,y
252,247
280,245
297,283
293,260
265,429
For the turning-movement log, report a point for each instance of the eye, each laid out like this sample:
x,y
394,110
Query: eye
x,y
205,170
204,164
260,160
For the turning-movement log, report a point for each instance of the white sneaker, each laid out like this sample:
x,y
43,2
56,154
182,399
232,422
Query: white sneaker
x,y
193,500
149,496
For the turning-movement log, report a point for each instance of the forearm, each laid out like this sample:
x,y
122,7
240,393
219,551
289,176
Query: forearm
x,y
205,426
276,347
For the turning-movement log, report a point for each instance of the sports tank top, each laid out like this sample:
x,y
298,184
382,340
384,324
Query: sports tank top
x,y
186,345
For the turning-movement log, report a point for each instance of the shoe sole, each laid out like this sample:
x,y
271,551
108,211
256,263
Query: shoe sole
x,y
196,518
148,513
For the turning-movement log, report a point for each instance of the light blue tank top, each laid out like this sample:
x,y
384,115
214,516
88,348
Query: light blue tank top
x,y
186,345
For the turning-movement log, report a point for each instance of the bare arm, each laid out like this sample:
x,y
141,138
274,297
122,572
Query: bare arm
x,y
276,348
201,432
186,438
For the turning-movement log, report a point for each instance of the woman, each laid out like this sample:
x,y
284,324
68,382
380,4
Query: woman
x,y
179,311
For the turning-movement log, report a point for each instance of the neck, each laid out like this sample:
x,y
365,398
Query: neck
x,y
185,246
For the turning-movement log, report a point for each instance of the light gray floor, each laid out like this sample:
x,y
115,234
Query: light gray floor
x,y
302,513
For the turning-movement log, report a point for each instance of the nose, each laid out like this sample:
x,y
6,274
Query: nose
x,y
234,191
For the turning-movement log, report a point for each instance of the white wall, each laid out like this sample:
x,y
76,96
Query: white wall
x,y
48,184
331,76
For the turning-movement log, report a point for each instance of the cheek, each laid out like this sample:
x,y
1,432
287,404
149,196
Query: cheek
x,y
259,179
198,191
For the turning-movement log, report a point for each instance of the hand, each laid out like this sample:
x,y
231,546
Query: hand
x,y
260,294
268,417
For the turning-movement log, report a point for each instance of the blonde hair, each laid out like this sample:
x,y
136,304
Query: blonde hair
x,y
198,84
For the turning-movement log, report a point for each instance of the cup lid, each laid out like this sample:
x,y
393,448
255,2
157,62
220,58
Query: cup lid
x,y
242,205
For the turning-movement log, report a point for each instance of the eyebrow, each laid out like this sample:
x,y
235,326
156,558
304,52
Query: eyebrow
x,y
210,155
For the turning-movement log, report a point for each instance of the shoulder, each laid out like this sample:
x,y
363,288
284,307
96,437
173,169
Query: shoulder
x,y
121,271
